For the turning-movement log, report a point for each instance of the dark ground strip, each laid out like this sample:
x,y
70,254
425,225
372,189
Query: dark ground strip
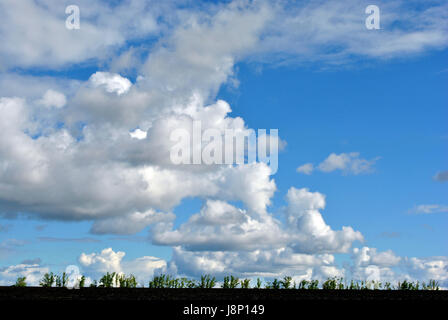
x,y
281,304
146,294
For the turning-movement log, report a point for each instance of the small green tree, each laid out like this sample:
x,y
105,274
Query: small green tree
x,y
259,283
286,282
82,282
329,284
61,281
387,286
432,285
207,282
303,284
313,285
108,280
230,282
48,280
127,282
408,285
20,282
275,284
245,283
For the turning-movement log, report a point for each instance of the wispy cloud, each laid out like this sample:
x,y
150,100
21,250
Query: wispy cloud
x,y
441,176
429,208
80,240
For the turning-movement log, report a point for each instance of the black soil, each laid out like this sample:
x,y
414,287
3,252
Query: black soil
x,y
173,303
231,295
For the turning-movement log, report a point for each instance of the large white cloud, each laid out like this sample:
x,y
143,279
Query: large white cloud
x,y
220,226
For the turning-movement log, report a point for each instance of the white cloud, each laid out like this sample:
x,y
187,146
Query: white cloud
x,y
112,82
307,168
311,233
435,268
369,256
138,134
33,33
348,163
258,263
143,268
106,261
429,208
335,32
331,32
220,226
53,98
32,272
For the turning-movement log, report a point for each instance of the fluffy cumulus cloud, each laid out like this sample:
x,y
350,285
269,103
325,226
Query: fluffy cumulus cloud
x,y
429,268
310,232
220,226
223,239
348,163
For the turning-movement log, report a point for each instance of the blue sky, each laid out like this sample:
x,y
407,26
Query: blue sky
x,y
365,109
